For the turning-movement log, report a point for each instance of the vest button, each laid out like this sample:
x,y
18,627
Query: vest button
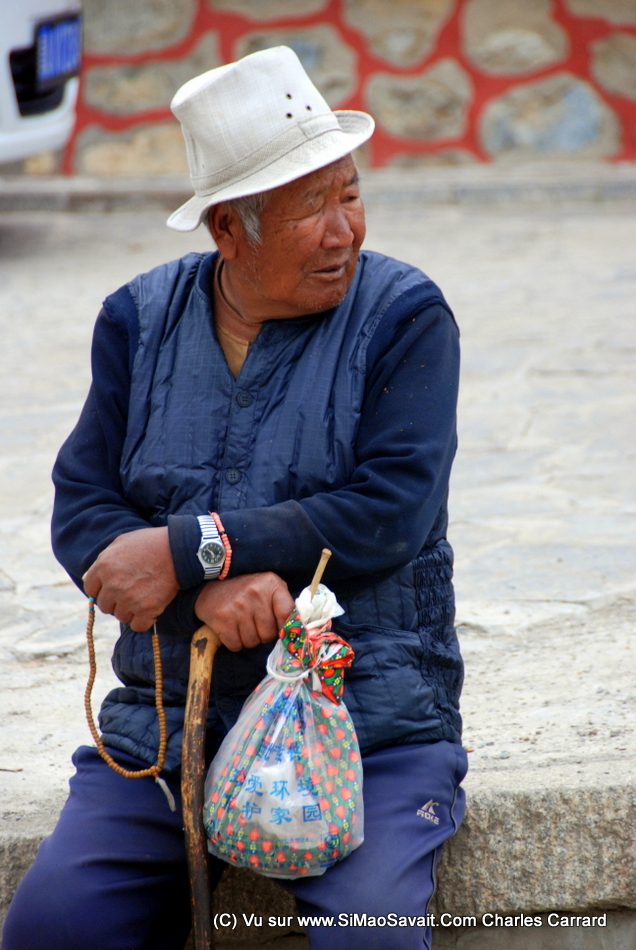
x,y
244,400
233,476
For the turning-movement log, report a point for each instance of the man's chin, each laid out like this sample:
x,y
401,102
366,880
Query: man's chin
x,y
320,298
322,304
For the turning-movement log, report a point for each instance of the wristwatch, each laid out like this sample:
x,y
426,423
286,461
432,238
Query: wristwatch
x,y
211,551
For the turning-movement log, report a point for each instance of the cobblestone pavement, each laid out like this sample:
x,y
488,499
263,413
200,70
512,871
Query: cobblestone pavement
x,y
542,494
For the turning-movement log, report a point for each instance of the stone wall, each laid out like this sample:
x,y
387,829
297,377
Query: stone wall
x,y
448,81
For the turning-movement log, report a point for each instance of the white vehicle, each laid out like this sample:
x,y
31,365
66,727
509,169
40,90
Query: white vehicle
x,y
40,48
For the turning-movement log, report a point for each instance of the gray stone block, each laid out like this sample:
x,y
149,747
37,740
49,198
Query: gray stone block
x,y
16,857
618,933
401,32
121,27
559,117
244,893
531,842
151,85
20,838
614,63
519,852
432,105
269,9
614,11
143,150
533,850
512,36
440,157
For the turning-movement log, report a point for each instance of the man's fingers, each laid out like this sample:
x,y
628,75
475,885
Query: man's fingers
x,y
105,601
247,610
121,583
91,582
124,616
139,620
140,623
231,639
283,604
248,633
266,627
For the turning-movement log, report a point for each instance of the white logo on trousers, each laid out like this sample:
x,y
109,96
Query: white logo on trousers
x,y
428,811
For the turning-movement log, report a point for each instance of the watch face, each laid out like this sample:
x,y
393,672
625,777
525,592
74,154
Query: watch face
x,y
212,553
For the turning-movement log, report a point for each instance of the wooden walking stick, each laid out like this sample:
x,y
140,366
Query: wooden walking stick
x,y
205,643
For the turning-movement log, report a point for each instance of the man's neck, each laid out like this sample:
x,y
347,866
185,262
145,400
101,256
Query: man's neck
x,y
232,314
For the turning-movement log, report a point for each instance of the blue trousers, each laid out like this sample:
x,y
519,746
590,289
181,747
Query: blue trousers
x,y
113,874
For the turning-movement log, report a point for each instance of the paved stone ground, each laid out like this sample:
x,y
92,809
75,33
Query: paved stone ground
x,y
542,496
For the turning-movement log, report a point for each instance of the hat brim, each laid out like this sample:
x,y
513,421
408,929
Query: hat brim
x,y
355,129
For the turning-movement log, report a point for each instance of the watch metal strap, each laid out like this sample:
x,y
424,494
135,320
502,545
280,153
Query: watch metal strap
x,y
209,532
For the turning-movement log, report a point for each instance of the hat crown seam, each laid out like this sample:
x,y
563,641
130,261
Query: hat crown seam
x,y
270,144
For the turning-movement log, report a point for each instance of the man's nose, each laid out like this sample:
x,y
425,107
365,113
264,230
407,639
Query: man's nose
x,y
338,232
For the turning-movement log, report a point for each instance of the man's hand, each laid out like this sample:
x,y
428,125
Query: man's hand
x,y
134,577
245,610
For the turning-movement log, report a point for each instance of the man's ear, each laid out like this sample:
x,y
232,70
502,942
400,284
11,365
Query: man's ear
x,y
226,229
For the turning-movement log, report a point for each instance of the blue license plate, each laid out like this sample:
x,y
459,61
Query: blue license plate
x,y
59,49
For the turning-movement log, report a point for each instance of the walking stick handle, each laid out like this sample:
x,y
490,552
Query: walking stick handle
x,y
204,645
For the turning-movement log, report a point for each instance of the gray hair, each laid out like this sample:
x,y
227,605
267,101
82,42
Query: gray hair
x,y
249,210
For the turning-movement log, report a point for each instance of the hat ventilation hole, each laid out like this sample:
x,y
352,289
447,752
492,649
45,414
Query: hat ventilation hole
x,y
308,108
289,115
288,95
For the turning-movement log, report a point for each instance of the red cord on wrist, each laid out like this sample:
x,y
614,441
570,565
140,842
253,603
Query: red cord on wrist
x,y
226,545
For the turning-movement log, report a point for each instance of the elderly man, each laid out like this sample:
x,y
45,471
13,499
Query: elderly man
x,y
248,408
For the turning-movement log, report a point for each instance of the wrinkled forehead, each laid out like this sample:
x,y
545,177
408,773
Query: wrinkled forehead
x,y
309,188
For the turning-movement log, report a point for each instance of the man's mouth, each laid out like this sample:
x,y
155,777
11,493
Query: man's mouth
x,y
333,270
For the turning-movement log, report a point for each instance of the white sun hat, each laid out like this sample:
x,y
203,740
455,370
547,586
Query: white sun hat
x,y
254,125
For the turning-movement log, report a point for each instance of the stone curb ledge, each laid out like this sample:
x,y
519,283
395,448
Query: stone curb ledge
x,y
475,184
556,848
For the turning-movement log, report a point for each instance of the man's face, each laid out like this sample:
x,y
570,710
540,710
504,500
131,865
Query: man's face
x,y
311,233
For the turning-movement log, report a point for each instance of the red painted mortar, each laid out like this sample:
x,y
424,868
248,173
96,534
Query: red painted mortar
x,y
582,32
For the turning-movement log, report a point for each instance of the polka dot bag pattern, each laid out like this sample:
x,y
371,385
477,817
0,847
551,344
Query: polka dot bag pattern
x,y
283,795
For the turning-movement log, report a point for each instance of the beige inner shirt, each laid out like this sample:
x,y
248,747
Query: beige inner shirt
x,y
235,339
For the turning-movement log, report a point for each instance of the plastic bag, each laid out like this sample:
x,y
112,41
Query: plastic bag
x,y
284,793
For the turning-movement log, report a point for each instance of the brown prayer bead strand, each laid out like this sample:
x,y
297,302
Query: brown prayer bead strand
x,y
155,770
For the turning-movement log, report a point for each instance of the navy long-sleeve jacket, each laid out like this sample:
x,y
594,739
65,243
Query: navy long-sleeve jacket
x,y
343,438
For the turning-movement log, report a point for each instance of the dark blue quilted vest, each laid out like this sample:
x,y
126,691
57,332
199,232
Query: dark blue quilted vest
x,y
405,681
